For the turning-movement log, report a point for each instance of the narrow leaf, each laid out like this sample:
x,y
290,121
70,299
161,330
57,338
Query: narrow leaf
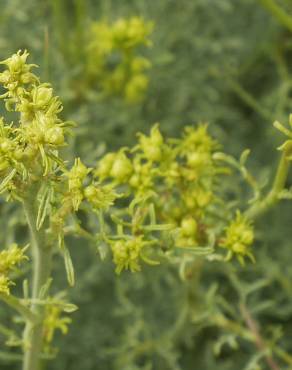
x,y
44,204
69,267
5,182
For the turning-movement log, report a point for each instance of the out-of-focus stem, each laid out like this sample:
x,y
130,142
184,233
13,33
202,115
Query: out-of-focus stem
x,y
279,13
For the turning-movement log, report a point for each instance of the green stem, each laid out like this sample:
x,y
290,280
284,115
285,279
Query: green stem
x,y
41,259
272,198
279,13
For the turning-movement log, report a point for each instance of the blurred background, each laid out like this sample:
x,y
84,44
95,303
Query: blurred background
x,y
224,62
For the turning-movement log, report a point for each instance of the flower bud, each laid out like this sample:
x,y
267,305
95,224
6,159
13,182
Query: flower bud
x,y
189,226
122,168
104,165
16,62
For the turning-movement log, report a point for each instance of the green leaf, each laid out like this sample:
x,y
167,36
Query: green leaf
x,y
6,180
152,214
10,357
56,159
45,288
162,227
69,267
69,307
198,251
44,197
244,156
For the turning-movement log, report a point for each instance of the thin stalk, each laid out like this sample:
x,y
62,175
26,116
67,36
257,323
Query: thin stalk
x,y
258,339
280,14
41,261
248,99
272,198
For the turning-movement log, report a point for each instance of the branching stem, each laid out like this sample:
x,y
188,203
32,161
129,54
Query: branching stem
x,y
19,307
272,197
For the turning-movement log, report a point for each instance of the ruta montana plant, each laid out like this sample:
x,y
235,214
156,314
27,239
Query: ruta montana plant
x,y
160,201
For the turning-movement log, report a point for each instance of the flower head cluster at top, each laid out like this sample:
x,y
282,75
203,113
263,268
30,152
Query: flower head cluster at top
x,y
10,258
159,195
113,59
30,145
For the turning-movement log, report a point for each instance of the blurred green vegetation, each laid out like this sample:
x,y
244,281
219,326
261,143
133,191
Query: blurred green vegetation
x,y
223,62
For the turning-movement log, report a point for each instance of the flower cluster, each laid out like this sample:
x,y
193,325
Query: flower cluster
x,y
239,236
112,57
9,260
30,146
171,188
159,194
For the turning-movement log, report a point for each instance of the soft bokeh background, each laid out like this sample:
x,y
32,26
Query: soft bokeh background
x,y
224,62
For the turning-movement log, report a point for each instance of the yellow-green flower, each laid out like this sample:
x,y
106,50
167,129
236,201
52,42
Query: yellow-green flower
x,y
100,196
127,253
11,257
76,177
122,167
152,146
53,321
239,236
126,77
